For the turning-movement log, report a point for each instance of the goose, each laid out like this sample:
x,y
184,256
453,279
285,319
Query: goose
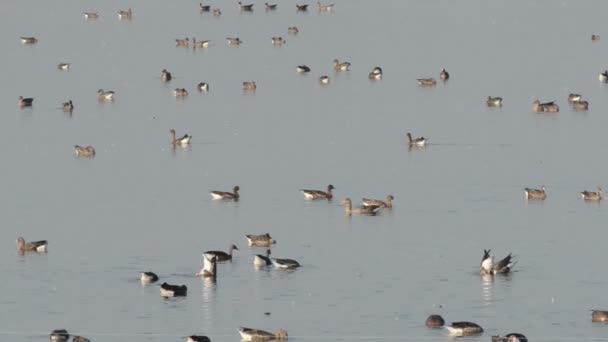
x,y
318,194
248,334
200,44
262,260
105,95
220,255
421,141
592,195
603,75
80,339
595,37
148,277
246,8
444,75
374,202
547,107
325,7
234,41
198,338
165,76
375,74
29,40
302,8
278,40
341,66
84,151
580,105
91,15
249,85
209,269
512,337
538,194
63,66
494,101
599,316
217,12
180,92
25,101
363,210
293,30
185,42
324,79
464,328
59,335
183,141
302,69
168,290
270,7
68,106
263,240
128,14
574,97
204,8
224,195
434,321
488,267
284,263
203,87
426,82
32,246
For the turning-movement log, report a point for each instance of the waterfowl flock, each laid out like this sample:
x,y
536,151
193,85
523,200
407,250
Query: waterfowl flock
x,y
214,261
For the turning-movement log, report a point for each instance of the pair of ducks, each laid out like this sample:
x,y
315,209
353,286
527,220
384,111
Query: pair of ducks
x,y
545,107
540,194
62,335
431,82
577,102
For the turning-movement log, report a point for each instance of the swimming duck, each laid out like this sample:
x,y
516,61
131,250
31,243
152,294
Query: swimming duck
x,y
374,202
302,8
318,194
105,95
599,316
325,7
168,290
198,338
270,7
604,76
595,37
512,337
444,75
165,76
249,85
217,12
546,107
29,40
224,195
292,30
25,102
204,8
536,193
341,66
68,106
185,42
248,334
488,267
284,263
91,15
234,41
200,44
421,141
494,101
183,141
84,151
33,246
324,79
580,105
302,69
180,92
80,339
574,97
63,66
464,328
203,87
375,74
592,195
148,277
246,8
59,335
263,240
262,260
222,256
426,82
128,14
434,321
209,269
278,40
363,210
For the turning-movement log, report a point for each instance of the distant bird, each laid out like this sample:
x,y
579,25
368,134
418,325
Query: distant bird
x,y
592,195
246,8
209,269
580,105
148,277
80,339
512,337
200,44
341,66
546,107
324,79
59,335
434,321
292,30
183,141
599,316
183,42
421,141
302,8
464,328
224,195
165,76
168,290
33,246
91,15
262,240
595,37
325,7
262,260
374,202
63,66
221,255
105,95
318,194
278,40
234,41
204,8
180,92
375,74
126,15
248,334
84,151
426,82
284,263
68,106
217,12
249,85
488,267
203,87
198,338
302,69
25,102
363,210
574,97
270,7
494,101
604,76
538,194
29,40
444,75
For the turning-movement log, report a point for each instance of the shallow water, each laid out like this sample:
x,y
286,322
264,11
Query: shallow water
x,y
139,205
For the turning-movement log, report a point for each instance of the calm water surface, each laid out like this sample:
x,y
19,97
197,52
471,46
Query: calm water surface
x,y
139,205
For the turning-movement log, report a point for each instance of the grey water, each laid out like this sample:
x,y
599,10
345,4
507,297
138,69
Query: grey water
x,y
140,205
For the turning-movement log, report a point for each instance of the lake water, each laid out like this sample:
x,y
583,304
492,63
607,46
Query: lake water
x,y
141,206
